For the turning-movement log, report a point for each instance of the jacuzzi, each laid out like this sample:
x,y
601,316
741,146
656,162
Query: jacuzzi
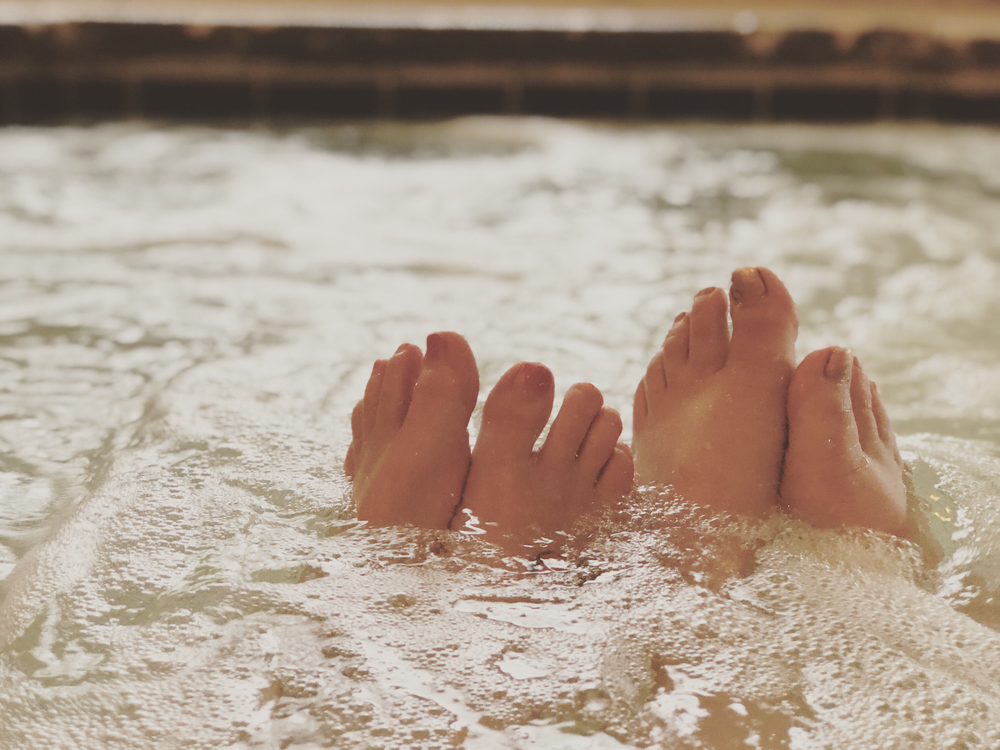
x,y
189,313
210,228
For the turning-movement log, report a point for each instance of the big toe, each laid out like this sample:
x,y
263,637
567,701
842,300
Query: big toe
x,y
515,412
765,323
820,418
448,385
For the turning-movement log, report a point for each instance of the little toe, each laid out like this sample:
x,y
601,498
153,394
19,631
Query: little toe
x,y
861,405
357,422
369,404
350,461
617,475
709,338
640,408
765,323
515,413
580,407
401,374
676,346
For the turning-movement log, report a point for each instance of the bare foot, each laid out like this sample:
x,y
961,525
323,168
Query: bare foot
x,y
409,456
512,489
709,416
842,467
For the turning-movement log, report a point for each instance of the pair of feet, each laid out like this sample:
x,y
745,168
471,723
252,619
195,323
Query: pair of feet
x,y
410,459
730,422
727,420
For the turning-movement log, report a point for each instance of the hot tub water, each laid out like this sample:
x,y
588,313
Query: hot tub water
x,y
188,315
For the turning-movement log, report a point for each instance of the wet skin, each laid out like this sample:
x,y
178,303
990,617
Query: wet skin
x,y
727,420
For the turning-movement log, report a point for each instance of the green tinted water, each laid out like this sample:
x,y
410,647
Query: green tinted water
x,y
187,317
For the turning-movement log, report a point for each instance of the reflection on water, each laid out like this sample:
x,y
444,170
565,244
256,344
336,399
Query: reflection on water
x,y
187,316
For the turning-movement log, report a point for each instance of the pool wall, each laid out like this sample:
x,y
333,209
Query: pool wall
x,y
412,66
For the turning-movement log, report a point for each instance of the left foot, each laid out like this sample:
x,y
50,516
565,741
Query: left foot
x,y
409,455
514,490
842,467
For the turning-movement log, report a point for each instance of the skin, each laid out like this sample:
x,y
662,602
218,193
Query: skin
x,y
409,454
842,467
519,494
410,460
727,420
709,415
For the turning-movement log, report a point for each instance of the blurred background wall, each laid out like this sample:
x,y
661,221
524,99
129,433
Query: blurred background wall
x,y
268,60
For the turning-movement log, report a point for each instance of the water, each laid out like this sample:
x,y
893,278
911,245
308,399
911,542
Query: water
x,y
188,315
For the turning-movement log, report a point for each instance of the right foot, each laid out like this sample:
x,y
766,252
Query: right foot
x,y
516,492
842,467
409,455
709,416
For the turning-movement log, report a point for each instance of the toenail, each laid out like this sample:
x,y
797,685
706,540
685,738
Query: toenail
x,y
706,291
838,366
533,377
680,317
400,349
435,345
748,286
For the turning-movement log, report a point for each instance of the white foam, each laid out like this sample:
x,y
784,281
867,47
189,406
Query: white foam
x,y
188,316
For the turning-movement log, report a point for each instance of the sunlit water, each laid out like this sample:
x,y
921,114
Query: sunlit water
x,y
187,317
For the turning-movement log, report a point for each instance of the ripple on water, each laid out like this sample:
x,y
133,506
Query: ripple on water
x,y
189,314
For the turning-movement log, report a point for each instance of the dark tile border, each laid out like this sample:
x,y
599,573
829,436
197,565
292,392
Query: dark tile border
x,y
168,71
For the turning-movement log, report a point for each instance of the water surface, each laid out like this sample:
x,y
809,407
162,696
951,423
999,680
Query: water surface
x,y
187,317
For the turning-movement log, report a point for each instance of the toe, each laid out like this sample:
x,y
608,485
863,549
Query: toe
x,y
580,407
617,475
448,386
654,384
357,424
885,433
401,374
640,408
372,392
861,405
709,344
515,413
820,418
829,481
675,347
599,446
764,320
350,461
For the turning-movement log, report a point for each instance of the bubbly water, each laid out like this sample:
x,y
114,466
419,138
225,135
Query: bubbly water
x,y
187,317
